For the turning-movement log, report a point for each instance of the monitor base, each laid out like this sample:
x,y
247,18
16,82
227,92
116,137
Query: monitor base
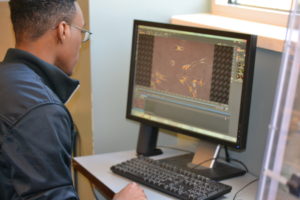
x,y
220,170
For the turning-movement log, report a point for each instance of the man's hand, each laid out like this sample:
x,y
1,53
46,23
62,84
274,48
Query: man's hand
x,y
131,192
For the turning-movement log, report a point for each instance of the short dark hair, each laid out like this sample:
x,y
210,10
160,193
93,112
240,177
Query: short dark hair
x,y
32,18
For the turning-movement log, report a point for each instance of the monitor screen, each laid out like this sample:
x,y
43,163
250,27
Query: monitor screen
x,y
192,81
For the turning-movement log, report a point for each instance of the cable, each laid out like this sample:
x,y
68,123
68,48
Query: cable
x,y
241,163
202,162
229,159
244,187
227,156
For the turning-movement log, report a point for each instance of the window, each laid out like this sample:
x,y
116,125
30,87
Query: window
x,y
238,9
268,4
268,24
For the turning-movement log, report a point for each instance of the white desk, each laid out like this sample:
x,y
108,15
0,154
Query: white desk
x,y
97,169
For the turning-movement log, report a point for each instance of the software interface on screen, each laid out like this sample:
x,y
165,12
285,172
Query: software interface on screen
x,y
192,81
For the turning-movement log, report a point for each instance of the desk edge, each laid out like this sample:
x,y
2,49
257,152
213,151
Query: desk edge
x,y
107,192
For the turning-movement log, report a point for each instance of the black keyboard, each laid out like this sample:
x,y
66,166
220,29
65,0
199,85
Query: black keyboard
x,y
180,183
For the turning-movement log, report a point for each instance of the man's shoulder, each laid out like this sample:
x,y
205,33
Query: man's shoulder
x,y
14,73
21,90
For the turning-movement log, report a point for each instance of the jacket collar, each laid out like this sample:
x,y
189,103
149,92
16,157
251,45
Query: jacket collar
x,y
59,82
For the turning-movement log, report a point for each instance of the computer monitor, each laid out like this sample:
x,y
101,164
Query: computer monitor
x,y
192,81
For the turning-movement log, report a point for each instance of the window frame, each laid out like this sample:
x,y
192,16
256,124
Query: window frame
x,y
260,15
282,6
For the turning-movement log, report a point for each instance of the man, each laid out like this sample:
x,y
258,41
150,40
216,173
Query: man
x,y
36,129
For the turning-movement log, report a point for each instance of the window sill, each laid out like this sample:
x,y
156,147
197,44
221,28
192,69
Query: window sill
x,y
270,37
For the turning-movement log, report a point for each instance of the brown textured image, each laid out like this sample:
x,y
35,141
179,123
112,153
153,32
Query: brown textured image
x,y
182,67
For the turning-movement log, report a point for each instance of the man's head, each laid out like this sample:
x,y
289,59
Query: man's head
x,y
50,29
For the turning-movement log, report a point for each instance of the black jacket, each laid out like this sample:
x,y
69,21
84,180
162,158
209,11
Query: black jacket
x,y
36,129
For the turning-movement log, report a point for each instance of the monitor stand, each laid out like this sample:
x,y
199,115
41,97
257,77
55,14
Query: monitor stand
x,y
204,163
147,140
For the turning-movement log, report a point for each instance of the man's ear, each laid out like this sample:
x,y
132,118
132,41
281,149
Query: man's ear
x,y
63,31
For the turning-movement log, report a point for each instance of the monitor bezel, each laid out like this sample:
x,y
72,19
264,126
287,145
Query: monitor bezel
x,y
240,144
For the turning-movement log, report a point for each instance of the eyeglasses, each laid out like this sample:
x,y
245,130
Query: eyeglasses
x,y
86,35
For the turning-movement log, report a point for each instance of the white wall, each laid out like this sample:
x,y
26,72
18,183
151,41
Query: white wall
x,y
111,23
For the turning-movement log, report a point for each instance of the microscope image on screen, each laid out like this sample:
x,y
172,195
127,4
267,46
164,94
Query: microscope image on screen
x,y
186,68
